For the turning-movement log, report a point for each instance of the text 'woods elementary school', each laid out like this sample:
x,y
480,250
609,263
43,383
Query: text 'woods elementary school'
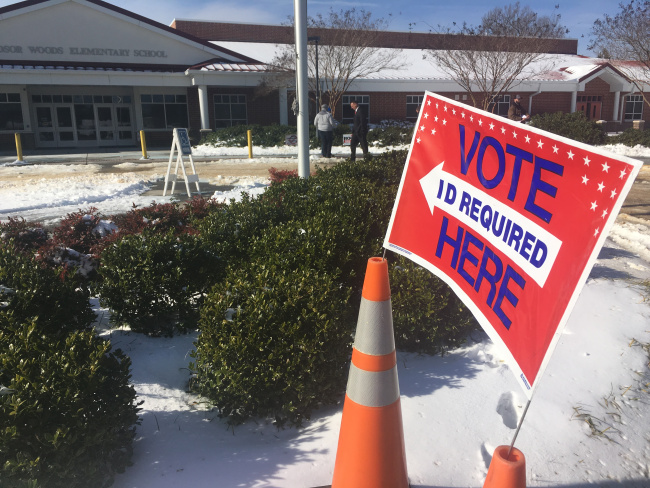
x,y
85,73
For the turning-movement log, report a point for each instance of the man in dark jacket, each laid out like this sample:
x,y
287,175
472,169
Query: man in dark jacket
x,y
517,112
359,132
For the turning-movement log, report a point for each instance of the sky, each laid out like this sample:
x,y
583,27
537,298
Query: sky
x,y
418,15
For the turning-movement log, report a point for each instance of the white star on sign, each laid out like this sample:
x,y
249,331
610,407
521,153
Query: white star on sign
x,y
444,121
436,118
596,232
433,132
422,127
527,138
570,154
613,194
445,108
594,205
540,144
453,111
622,174
436,105
585,179
480,122
587,160
555,149
491,126
471,118
426,115
418,140
604,213
503,130
514,134
462,114
429,102
600,187
605,167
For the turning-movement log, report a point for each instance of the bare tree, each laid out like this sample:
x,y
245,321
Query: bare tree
x,y
515,20
489,60
625,40
346,52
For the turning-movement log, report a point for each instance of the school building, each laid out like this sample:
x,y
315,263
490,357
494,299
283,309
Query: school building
x,y
85,73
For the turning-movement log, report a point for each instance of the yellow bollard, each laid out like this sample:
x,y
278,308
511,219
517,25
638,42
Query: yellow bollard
x,y
250,145
143,143
19,147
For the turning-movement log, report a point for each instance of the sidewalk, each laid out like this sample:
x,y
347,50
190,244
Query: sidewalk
x,y
97,155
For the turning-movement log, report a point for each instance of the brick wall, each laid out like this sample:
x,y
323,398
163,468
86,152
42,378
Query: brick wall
x,y
224,31
548,102
599,87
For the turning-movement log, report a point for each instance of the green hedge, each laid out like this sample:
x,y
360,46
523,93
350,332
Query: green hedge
x,y
274,343
274,135
574,125
427,316
156,282
68,420
54,297
631,137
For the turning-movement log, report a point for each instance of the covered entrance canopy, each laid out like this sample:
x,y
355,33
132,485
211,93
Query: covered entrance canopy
x,y
84,73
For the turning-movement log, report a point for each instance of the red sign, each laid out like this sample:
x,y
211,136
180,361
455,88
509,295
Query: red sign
x,y
511,217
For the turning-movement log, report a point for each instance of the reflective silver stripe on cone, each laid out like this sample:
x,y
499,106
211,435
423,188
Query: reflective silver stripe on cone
x,y
375,328
373,389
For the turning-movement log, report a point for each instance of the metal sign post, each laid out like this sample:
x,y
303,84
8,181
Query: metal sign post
x,y
181,145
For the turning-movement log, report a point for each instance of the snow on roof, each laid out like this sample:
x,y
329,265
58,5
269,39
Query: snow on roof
x,y
419,66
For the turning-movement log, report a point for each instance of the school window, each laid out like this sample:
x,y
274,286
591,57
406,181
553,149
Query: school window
x,y
500,105
164,111
634,107
362,100
230,110
11,112
413,104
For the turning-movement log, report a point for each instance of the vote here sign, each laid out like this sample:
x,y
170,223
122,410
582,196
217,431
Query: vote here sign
x,y
511,217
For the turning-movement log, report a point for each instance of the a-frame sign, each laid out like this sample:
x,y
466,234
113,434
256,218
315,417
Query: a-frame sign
x,y
181,147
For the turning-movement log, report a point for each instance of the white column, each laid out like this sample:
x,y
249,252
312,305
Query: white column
x,y
203,107
574,100
617,102
300,27
284,109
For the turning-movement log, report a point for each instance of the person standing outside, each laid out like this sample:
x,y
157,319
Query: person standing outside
x,y
359,132
325,129
517,112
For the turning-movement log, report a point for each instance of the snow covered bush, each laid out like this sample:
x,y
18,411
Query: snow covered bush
x,y
82,231
155,282
427,316
52,296
67,418
274,342
26,236
390,135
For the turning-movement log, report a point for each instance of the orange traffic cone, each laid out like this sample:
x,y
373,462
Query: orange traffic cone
x,y
371,451
506,471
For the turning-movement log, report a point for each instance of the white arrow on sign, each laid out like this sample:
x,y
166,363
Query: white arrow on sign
x,y
531,247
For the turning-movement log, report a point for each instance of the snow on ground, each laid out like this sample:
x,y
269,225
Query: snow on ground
x,y
587,424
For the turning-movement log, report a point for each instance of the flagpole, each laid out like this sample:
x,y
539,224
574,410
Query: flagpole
x,y
521,421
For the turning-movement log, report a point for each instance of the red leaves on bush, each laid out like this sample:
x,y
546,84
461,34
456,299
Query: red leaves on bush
x,y
279,175
27,236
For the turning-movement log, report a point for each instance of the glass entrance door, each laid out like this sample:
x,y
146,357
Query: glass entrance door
x,y
65,133
45,126
124,125
105,125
